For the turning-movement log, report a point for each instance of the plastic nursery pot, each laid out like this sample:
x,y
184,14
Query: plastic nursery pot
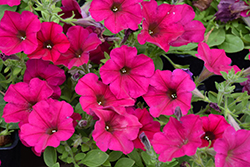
x,y
10,155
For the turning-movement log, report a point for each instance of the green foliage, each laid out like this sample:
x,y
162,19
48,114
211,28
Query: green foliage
x,y
50,156
134,155
4,8
95,158
232,44
124,162
216,37
114,155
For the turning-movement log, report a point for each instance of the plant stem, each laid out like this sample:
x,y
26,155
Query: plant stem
x,y
2,93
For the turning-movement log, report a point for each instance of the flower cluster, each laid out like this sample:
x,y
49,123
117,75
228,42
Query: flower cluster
x,y
84,84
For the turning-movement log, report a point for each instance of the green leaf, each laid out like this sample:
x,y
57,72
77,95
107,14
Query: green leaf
x,y
232,44
146,158
106,163
158,63
114,155
124,162
56,165
84,148
216,37
224,74
187,47
107,32
50,156
134,155
80,156
95,158
16,71
3,8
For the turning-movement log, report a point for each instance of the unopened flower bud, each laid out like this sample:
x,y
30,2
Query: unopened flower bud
x,y
145,141
233,123
178,113
215,106
82,123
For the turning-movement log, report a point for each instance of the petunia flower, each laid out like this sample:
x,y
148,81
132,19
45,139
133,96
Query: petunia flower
x,y
51,42
117,14
19,32
81,43
115,132
168,90
48,125
97,95
127,73
193,29
76,117
214,127
22,97
178,138
160,24
215,60
229,10
233,149
10,2
149,126
96,55
53,75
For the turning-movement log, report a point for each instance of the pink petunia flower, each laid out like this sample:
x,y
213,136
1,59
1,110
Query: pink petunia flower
x,y
97,95
193,29
22,97
82,42
149,126
76,117
53,75
215,60
19,32
51,42
127,73
48,125
168,90
214,127
178,138
96,55
233,149
117,14
115,132
10,2
160,24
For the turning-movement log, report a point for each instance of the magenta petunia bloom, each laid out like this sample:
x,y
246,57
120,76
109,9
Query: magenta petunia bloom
x,y
19,32
22,97
76,117
127,73
215,60
233,149
178,138
97,95
10,2
168,90
82,42
214,127
53,75
193,29
117,14
115,132
149,126
48,125
160,24
51,42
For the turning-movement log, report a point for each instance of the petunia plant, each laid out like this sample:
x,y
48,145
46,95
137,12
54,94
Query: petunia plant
x,y
116,82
